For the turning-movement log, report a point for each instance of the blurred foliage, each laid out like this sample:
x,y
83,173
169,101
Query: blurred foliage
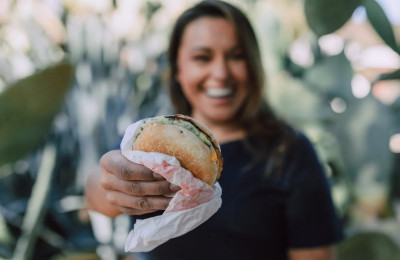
x,y
6,239
330,77
381,24
77,256
27,110
327,16
369,246
389,76
365,125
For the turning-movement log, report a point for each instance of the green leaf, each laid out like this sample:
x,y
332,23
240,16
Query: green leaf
x,y
388,76
27,110
368,246
331,76
364,124
327,16
381,23
6,238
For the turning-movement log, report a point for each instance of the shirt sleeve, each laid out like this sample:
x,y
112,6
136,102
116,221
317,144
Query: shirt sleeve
x,y
311,215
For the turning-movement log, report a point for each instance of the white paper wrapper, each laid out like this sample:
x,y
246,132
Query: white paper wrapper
x,y
192,205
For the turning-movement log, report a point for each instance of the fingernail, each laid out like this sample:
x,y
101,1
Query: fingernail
x,y
157,176
174,187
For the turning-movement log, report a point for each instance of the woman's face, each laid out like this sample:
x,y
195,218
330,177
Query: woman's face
x,y
212,70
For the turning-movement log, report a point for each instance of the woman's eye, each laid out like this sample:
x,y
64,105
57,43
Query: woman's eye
x,y
202,58
237,56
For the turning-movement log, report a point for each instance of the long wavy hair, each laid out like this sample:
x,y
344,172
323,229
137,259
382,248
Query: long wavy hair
x,y
255,115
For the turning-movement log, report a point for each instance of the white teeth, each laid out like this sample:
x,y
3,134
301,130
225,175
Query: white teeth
x,y
219,92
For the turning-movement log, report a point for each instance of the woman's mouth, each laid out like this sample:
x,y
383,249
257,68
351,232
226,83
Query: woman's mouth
x,y
219,92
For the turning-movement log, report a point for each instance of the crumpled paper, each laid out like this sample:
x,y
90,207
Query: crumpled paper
x,y
191,206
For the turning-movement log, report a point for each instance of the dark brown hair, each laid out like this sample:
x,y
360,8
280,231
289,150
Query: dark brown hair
x,y
255,115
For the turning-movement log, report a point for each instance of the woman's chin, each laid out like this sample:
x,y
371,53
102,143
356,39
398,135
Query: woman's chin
x,y
221,117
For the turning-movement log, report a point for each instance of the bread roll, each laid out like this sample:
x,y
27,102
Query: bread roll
x,y
189,141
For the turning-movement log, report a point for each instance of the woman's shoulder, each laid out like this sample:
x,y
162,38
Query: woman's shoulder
x,y
302,155
301,140
302,144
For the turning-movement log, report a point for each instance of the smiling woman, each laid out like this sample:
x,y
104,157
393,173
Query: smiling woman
x,y
212,70
276,198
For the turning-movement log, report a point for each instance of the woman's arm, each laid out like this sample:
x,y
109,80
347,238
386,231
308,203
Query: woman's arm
x,y
313,224
318,253
121,186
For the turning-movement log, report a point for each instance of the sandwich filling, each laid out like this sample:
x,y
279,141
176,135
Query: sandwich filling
x,y
174,120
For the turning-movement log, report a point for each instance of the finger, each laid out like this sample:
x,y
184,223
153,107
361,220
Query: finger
x,y
138,188
136,202
130,211
115,163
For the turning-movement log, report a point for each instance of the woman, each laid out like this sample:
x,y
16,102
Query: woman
x,y
276,200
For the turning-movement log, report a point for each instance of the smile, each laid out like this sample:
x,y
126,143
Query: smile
x,y
219,92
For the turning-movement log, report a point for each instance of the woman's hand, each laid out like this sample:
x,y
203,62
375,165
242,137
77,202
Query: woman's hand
x,y
127,187
318,253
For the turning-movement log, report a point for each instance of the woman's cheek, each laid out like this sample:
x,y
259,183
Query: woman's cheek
x,y
240,71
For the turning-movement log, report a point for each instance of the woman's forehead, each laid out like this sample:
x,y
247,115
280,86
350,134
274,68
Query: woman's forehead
x,y
209,30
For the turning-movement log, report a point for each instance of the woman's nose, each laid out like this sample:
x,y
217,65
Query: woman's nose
x,y
220,69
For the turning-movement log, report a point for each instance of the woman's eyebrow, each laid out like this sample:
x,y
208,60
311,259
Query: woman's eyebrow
x,y
236,48
207,49
200,48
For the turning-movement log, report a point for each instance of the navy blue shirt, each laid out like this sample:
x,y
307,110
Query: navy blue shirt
x,y
262,216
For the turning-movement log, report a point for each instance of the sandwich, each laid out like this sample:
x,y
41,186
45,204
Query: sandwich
x,y
184,138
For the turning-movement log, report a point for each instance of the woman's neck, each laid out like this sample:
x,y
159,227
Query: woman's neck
x,y
224,131
226,135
